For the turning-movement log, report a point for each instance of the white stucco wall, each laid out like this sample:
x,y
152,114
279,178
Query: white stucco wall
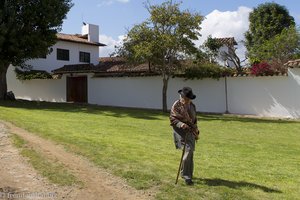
x,y
92,31
273,96
276,96
146,92
210,93
140,92
51,62
53,90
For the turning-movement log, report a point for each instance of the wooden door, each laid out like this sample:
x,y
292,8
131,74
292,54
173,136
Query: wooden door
x,y
77,89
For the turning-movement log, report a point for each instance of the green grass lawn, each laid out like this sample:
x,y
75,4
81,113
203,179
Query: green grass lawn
x,y
235,158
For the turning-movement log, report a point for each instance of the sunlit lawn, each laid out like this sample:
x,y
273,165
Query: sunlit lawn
x,y
236,158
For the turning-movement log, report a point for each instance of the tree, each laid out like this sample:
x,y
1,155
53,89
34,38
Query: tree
x,y
233,58
213,48
280,49
163,39
266,21
27,30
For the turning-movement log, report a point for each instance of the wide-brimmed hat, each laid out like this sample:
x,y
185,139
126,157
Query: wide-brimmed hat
x,y
187,92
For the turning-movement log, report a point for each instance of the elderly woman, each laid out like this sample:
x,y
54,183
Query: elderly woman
x,y
184,122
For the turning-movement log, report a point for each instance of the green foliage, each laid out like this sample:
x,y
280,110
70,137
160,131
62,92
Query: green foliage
x,y
211,47
279,49
207,70
202,56
163,38
28,28
32,74
212,44
266,21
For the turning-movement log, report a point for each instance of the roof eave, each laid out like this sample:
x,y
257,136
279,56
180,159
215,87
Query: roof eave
x,y
82,42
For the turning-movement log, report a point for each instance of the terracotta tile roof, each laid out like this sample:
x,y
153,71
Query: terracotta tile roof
x,y
78,68
105,63
107,66
117,64
124,74
77,38
112,59
227,41
127,68
293,63
118,67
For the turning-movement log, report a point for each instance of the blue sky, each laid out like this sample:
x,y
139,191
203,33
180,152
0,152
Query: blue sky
x,y
224,18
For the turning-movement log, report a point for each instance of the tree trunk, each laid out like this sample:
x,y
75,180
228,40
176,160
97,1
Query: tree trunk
x,y
164,93
3,83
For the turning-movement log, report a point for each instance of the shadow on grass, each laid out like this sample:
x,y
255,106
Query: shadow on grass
x,y
233,184
118,112
228,118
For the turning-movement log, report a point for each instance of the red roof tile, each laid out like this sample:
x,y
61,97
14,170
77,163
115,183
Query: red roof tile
x,y
227,41
118,64
77,38
106,65
77,68
293,63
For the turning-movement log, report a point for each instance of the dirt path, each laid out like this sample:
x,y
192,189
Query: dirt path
x,y
17,175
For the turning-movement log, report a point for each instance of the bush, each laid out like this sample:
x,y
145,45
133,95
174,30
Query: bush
x,y
32,74
262,69
207,70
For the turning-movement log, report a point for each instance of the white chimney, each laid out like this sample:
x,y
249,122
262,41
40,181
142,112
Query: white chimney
x,y
92,31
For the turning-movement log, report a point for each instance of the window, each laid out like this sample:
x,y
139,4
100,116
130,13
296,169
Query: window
x,y
84,57
63,54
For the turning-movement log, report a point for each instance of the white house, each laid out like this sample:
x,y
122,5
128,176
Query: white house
x,y
78,50
226,54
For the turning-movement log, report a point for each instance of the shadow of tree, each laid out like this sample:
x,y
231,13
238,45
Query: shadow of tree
x,y
229,118
233,184
139,113
119,112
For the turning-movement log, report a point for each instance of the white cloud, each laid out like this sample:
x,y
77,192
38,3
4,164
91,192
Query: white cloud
x,y
217,23
110,42
110,2
226,24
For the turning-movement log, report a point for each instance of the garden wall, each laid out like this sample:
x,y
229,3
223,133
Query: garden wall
x,y
146,92
53,90
270,96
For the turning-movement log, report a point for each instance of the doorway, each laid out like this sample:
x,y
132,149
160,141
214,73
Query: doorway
x,y
77,89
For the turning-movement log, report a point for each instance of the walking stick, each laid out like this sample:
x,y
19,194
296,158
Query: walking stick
x,y
181,158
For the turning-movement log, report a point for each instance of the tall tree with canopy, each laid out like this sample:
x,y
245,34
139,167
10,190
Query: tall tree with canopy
x,y
163,40
281,48
27,30
266,21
